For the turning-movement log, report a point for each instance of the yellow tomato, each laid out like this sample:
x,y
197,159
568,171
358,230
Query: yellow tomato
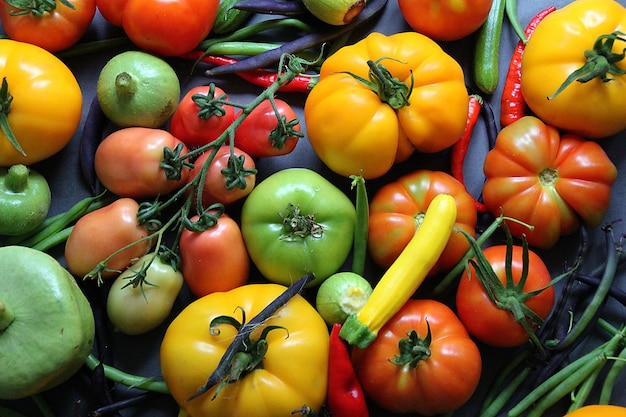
x,y
42,104
293,370
598,411
377,93
561,44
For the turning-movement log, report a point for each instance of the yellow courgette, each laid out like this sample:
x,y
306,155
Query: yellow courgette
x,y
405,275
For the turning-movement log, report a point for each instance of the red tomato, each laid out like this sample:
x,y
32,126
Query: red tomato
x,y
546,180
215,259
102,232
112,10
128,162
445,20
168,27
223,183
198,119
260,134
397,209
487,322
58,27
437,377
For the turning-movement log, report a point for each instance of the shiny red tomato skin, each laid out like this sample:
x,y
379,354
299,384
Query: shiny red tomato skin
x,y
112,10
168,27
445,20
214,189
440,383
195,131
481,317
55,30
252,136
215,259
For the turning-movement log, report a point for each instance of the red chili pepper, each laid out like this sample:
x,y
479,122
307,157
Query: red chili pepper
x,y
260,77
345,395
459,149
512,105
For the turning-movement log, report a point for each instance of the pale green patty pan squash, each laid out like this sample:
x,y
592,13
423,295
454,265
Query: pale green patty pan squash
x,y
46,323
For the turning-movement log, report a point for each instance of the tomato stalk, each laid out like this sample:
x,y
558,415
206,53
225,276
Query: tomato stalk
x,y
236,360
600,62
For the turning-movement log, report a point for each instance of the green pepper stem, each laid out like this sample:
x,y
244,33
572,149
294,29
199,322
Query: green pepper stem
x,y
17,178
6,316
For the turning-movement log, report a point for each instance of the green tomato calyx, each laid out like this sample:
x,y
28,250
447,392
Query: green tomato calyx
x,y
413,349
5,106
37,8
6,316
389,89
251,354
600,62
299,225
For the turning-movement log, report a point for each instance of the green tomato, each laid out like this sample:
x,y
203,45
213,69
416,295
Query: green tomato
x,y
47,326
341,295
143,295
296,222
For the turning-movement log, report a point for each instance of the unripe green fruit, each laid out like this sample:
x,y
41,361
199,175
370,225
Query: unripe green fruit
x,y
47,326
24,200
137,89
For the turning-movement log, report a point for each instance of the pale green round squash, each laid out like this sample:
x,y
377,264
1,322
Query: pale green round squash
x,y
46,323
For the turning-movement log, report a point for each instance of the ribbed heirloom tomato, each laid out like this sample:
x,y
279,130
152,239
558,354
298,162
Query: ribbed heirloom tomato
x,y
550,181
398,208
417,95
292,373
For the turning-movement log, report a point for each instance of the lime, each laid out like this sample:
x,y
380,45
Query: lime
x,y
138,89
